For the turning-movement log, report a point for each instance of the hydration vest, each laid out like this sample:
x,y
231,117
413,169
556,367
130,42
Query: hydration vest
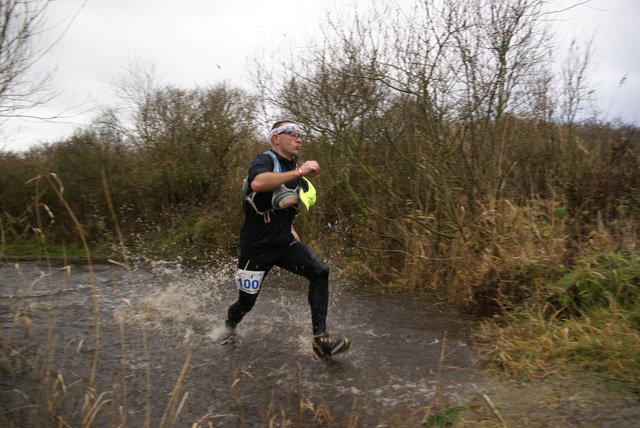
x,y
282,198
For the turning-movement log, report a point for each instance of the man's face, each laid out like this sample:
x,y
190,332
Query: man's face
x,y
288,144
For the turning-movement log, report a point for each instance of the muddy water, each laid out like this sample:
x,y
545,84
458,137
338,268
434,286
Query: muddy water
x,y
155,319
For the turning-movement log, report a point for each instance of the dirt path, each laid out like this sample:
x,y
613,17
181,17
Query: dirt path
x,y
557,401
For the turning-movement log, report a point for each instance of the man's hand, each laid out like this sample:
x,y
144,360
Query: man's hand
x,y
310,167
295,235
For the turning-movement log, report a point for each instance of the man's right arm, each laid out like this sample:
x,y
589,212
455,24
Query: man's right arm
x,y
269,181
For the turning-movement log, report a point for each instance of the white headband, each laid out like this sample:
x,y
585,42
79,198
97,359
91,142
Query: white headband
x,y
284,128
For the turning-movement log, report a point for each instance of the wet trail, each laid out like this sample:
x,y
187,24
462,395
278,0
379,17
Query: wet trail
x,y
168,314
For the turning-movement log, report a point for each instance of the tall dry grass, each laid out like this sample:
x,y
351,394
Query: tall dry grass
x,y
534,345
552,302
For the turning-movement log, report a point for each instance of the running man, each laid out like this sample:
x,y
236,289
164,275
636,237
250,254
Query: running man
x,y
276,186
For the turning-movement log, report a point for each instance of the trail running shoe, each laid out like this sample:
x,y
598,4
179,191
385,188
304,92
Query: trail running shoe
x,y
224,334
326,347
229,324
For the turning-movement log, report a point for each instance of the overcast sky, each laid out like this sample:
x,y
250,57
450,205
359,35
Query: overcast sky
x,y
200,42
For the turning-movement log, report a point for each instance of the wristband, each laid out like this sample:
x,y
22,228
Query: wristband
x,y
300,172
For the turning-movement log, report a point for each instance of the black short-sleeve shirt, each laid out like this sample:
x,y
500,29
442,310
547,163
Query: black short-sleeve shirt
x,y
255,232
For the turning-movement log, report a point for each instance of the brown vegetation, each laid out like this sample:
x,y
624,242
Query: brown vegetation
x,y
454,160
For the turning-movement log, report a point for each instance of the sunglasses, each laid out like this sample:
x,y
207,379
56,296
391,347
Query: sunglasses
x,y
294,134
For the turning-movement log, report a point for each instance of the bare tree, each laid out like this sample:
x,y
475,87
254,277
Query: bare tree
x,y
22,86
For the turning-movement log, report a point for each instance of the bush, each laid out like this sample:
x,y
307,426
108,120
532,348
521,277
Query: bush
x,y
598,282
588,318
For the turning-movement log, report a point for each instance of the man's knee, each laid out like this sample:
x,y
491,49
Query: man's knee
x,y
321,269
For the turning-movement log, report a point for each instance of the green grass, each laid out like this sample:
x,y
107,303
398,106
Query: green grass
x,y
445,418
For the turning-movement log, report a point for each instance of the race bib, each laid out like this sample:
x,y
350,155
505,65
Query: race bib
x,y
249,281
